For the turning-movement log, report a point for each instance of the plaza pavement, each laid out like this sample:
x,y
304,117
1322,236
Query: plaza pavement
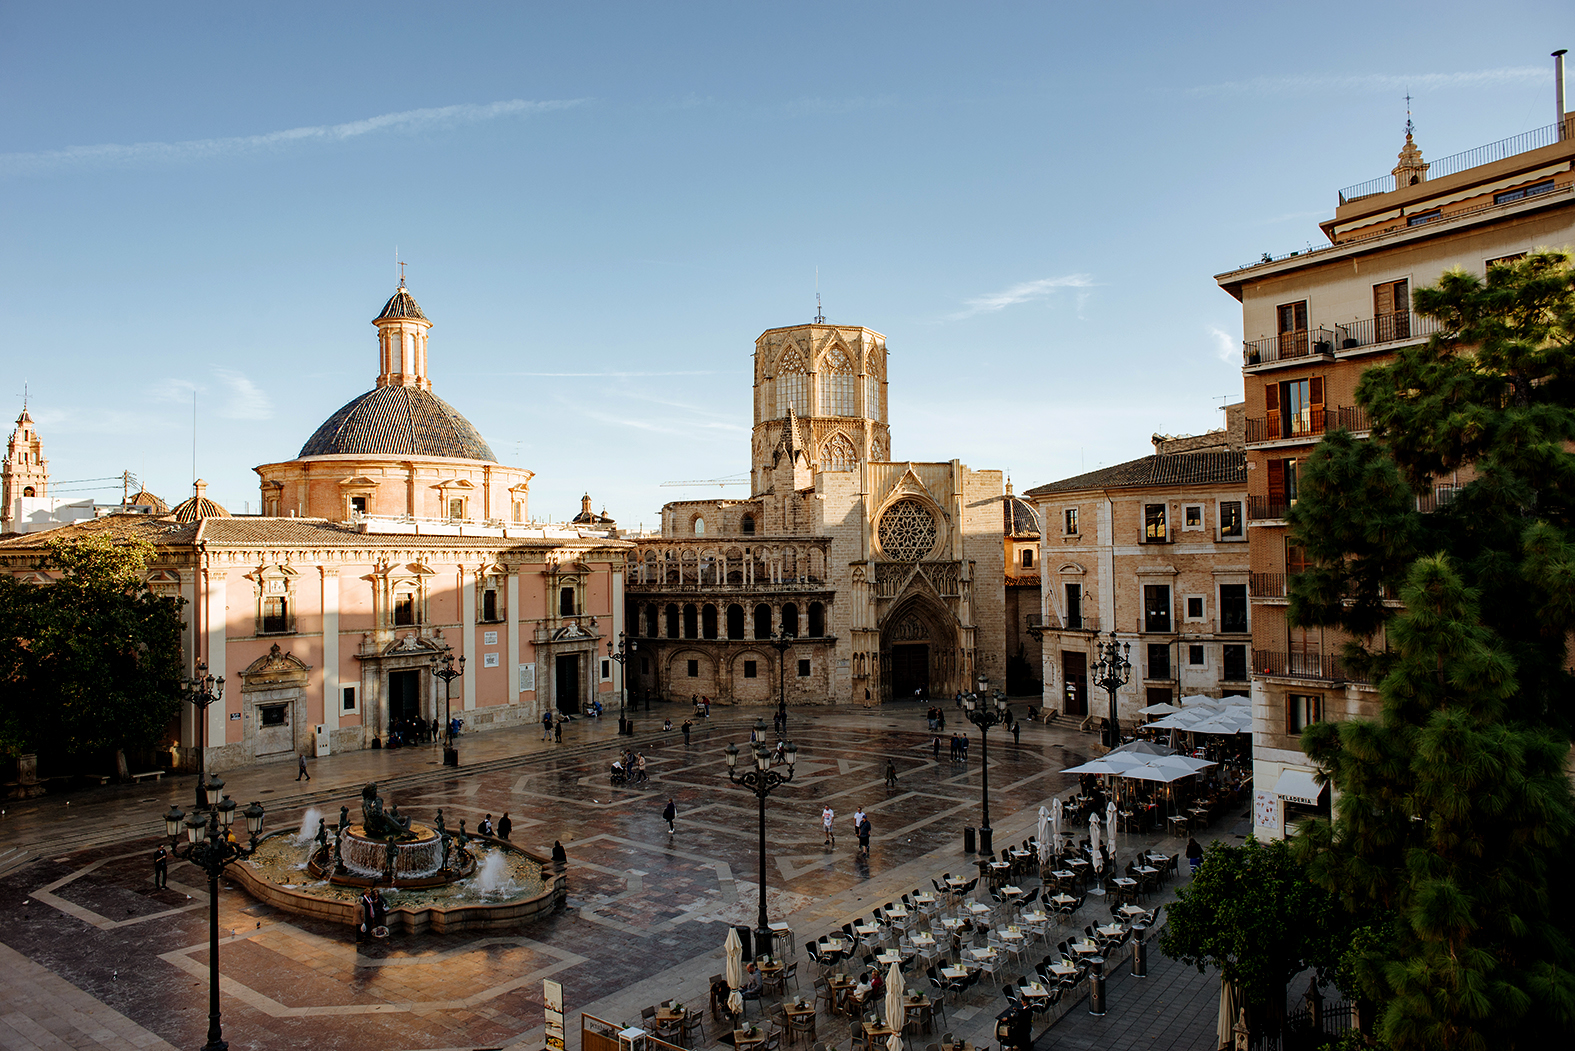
x,y
647,913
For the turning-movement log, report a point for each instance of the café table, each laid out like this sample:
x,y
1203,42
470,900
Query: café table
x,y
781,931
1111,930
1036,916
978,908
1155,858
1062,970
669,1020
1125,884
1148,870
1132,912
867,931
923,941
926,898
951,923
888,958
1033,991
744,1038
878,1031
793,1010
1063,874
899,911
1085,948
954,974
835,945
1063,899
983,955
1011,892
956,882
840,985
1178,825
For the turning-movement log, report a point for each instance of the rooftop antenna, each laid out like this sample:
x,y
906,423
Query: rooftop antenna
x,y
24,395
820,318
1409,127
401,267
194,436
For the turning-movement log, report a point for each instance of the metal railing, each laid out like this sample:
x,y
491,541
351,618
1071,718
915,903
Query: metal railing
x,y
1352,418
1268,585
1282,427
1525,142
1263,509
1439,498
1325,667
1333,337
804,584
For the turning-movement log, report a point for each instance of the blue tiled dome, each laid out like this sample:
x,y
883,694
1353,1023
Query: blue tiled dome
x,y
398,421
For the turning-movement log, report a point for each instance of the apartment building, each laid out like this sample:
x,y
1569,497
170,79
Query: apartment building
x,y
1153,552
1313,322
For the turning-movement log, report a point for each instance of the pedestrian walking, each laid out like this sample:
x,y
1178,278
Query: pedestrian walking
x,y
864,838
670,814
827,816
301,762
505,826
1017,731
686,727
891,774
639,767
557,730
858,818
937,743
161,868
546,724
962,746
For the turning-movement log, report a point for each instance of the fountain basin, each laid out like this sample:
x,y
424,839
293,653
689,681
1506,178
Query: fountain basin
x,y
276,875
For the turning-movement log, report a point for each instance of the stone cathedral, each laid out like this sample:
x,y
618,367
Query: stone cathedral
x,y
847,576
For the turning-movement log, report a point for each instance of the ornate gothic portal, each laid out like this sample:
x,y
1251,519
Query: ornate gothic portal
x,y
918,650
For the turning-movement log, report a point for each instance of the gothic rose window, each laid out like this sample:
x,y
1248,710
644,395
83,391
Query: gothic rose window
x,y
907,531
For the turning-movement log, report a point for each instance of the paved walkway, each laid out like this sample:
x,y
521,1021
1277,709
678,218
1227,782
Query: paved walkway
x,y
648,912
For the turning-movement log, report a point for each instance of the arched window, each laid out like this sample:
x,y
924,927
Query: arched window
x,y
708,622
672,620
566,602
872,406
790,619
650,620
817,620
792,384
27,490
691,621
735,621
762,621
747,525
699,526
837,385
837,454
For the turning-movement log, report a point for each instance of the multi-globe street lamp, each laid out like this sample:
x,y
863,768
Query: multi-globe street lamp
x,y
443,668
202,690
1112,670
211,847
984,712
761,780
626,646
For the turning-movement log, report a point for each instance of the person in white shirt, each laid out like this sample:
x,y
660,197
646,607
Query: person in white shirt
x,y
827,816
858,818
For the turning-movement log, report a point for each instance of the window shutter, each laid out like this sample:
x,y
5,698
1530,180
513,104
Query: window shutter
x,y
1276,483
1271,402
1315,402
1383,299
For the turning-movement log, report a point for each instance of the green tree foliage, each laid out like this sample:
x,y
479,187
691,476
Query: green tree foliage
x,y
91,661
1451,837
1251,912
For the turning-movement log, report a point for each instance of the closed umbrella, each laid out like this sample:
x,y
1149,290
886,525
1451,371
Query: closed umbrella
x,y
1044,835
1110,826
1055,822
894,993
1093,841
1230,1007
733,951
894,1042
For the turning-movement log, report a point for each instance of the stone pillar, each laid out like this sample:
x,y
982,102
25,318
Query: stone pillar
x,y
467,631
215,621
511,600
330,608
618,625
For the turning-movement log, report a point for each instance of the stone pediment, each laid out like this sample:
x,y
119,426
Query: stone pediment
x,y
1071,569
455,483
360,481
275,668
910,485
411,642
571,632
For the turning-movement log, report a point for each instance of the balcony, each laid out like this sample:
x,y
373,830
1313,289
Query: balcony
x,y
1039,624
804,584
1338,337
1263,509
1269,585
1323,667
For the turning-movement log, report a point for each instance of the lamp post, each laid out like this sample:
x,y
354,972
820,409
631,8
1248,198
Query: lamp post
x,y
985,712
210,848
762,780
1112,671
782,641
202,690
443,668
621,655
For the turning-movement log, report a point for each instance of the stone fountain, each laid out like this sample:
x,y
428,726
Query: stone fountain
x,y
431,877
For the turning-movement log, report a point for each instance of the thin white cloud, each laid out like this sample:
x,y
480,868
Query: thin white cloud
x,y
246,401
1368,83
1226,347
1021,293
204,149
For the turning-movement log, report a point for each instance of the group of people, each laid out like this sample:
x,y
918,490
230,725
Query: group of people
x,y
937,718
552,725
702,706
861,828
413,731
959,747
374,913
504,827
632,765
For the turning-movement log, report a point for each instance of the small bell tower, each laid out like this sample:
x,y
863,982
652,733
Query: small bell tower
x,y
402,342
1412,169
25,472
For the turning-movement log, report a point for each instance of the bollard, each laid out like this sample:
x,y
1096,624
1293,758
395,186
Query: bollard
x,y
968,841
1139,958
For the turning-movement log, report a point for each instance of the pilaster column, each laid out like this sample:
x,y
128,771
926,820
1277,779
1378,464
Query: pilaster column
x,y
467,620
216,622
618,627
330,607
511,599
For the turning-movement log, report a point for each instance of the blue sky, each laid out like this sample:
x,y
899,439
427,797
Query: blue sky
x,y
602,205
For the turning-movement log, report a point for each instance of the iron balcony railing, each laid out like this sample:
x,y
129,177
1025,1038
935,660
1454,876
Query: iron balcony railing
x,y
1322,666
1082,622
1525,142
1441,497
806,584
1268,585
1332,337
1286,427
1263,509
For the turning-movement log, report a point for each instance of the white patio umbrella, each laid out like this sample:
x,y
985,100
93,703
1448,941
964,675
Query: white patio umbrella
x,y
733,952
1159,709
1113,763
1055,822
1110,826
1043,832
1142,748
1093,841
894,1042
895,989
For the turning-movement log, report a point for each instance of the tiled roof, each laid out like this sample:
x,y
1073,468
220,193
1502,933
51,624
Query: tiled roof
x,y
154,529
398,421
147,499
320,532
1017,518
198,507
401,304
1173,469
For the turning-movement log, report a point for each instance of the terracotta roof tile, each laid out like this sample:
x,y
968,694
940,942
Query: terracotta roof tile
x,y
398,421
1172,469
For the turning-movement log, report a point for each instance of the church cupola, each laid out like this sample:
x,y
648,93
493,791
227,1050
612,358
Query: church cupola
x,y
402,342
1412,169
25,473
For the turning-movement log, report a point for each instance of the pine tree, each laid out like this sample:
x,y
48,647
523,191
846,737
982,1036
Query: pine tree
x,y
1451,836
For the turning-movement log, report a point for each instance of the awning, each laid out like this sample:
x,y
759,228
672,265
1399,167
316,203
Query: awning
x,y
1298,786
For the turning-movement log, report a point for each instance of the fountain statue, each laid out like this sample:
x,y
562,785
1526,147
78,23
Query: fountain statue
x,y
377,824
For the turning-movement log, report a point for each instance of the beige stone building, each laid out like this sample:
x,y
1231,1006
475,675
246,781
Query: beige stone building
x,y
1153,551
1314,321
887,574
1020,538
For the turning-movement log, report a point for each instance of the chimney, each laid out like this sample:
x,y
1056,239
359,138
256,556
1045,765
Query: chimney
x,y
199,487
1558,87
585,504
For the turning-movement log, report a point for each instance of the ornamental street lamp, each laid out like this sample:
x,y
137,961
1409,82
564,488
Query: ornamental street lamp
x,y
783,641
211,847
985,712
202,690
626,646
761,780
443,668
1112,671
